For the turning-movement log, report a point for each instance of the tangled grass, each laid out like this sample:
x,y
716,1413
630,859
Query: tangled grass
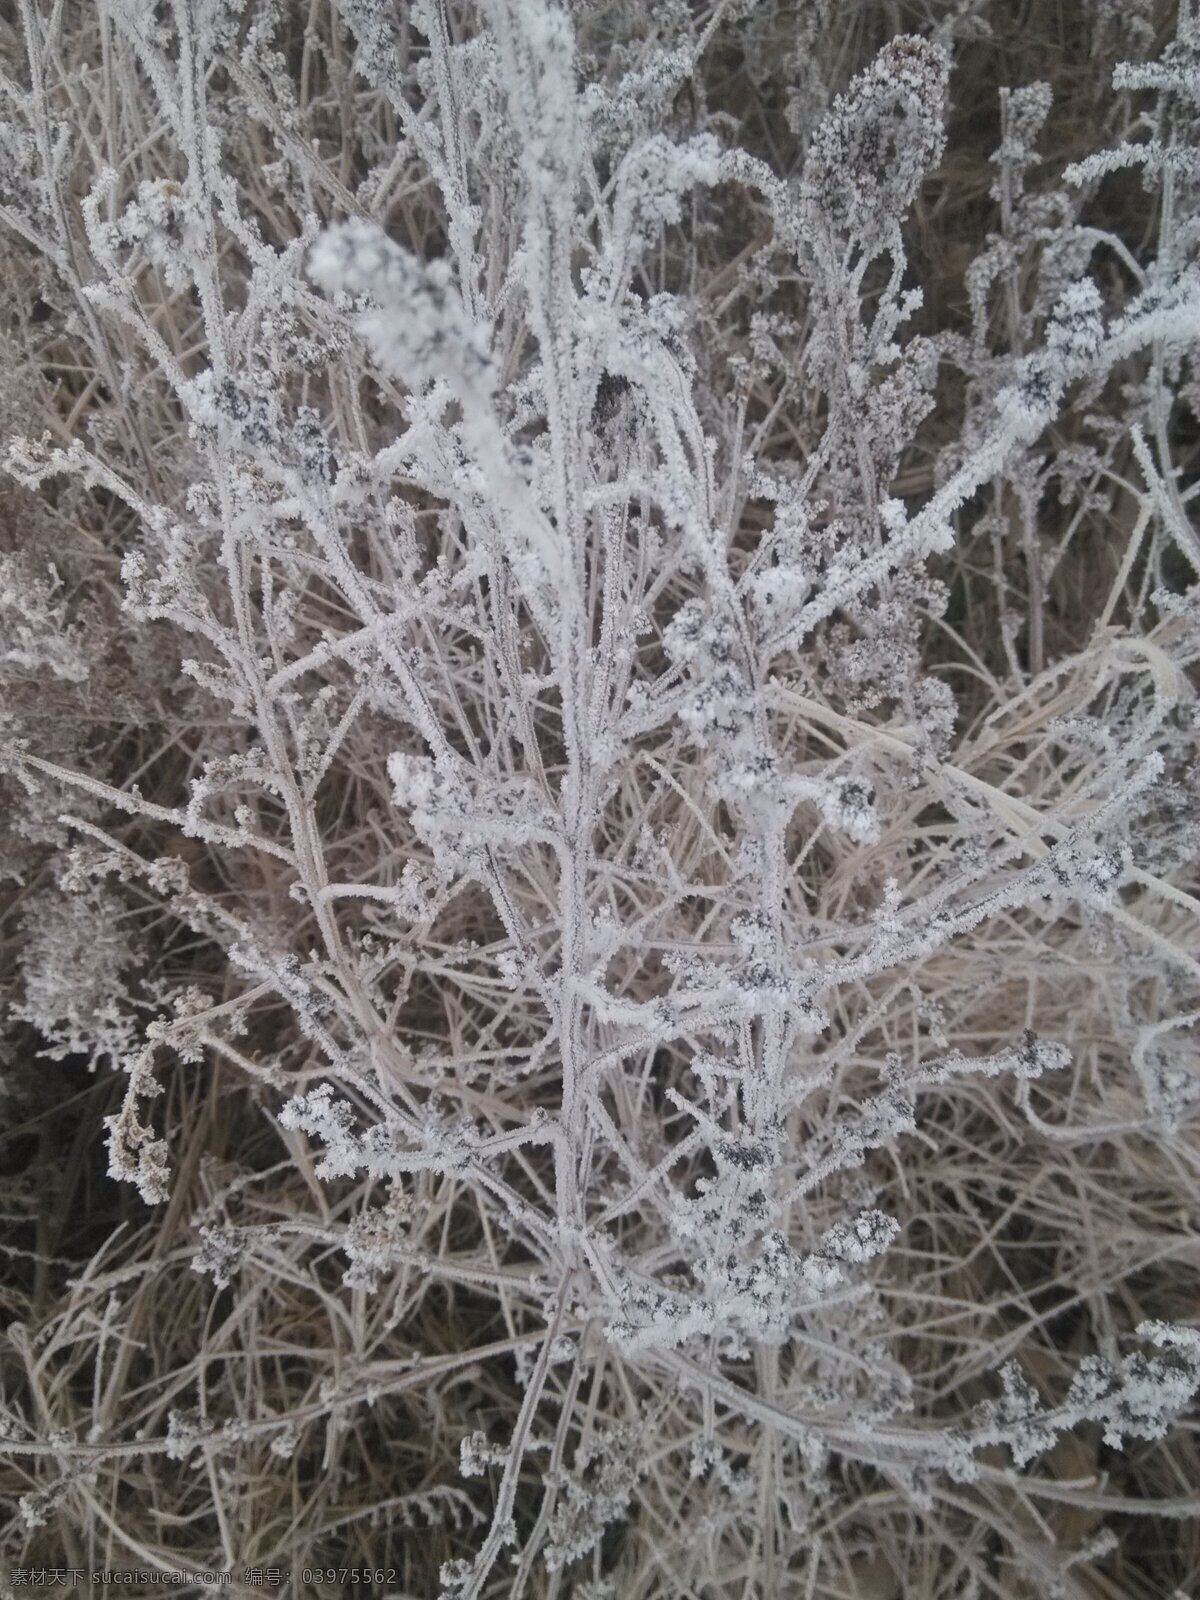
x,y
650,1061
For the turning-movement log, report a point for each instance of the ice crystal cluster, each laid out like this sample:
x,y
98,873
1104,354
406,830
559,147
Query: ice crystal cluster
x,y
598,623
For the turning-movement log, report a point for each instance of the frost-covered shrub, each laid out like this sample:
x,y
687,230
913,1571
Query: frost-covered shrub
x,y
653,804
